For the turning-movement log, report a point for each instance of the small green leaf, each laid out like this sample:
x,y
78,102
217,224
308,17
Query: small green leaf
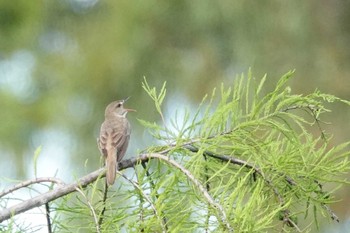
x,y
261,84
35,158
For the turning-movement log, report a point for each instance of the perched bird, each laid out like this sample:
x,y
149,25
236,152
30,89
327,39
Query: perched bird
x,y
114,137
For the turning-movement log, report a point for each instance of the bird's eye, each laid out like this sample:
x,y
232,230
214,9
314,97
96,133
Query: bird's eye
x,y
119,105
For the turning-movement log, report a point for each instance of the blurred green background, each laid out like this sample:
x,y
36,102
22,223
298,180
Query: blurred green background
x,y
62,62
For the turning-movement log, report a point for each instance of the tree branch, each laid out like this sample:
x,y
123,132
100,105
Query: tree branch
x,y
257,170
207,196
148,199
60,191
64,189
30,182
48,219
92,210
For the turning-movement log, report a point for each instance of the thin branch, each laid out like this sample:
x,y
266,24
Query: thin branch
x,y
140,205
333,215
100,220
190,142
147,199
257,171
286,220
30,182
48,219
50,196
207,196
64,190
143,164
241,163
208,189
91,209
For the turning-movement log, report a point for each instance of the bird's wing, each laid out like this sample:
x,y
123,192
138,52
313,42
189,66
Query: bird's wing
x,y
123,147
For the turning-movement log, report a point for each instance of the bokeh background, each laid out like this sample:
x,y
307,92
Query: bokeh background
x,y
62,62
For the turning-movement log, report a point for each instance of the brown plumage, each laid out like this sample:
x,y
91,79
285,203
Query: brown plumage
x,y
114,137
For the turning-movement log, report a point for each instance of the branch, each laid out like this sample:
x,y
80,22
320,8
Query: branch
x,y
93,213
165,221
48,220
65,189
30,182
60,191
209,198
105,193
257,170
148,199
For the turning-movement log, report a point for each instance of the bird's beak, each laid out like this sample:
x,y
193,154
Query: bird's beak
x,y
130,110
126,99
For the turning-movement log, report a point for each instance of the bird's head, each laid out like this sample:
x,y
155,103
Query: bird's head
x,y
116,108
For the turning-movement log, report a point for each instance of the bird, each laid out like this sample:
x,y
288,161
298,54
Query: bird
x,y
114,137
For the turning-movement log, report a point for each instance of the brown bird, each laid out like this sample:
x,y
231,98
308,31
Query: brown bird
x,y
114,137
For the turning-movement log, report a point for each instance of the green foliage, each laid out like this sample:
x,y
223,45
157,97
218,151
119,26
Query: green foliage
x,y
243,161
273,133
275,176
158,99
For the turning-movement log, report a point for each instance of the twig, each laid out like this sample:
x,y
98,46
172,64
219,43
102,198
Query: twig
x,y
147,199
140,205
207,196
100,220
30,182
241,163
208,189
64,190
287,220
257,171
333,215
49,196
143,164
47,208
91,209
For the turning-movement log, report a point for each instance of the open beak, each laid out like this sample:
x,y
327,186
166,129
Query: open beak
x,y
126,99
128,109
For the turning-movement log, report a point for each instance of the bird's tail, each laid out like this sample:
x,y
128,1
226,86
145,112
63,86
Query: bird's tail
x,y
111,167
